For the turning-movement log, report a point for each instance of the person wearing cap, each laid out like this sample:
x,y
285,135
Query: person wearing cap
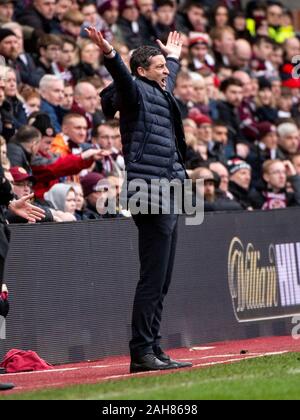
x,y
7,8
48,167
95,190
154,147
240,180
200,59
109,11
22,208
22,183
8,45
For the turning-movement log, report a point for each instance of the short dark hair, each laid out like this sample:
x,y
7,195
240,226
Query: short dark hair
x,y
26,134
230,82
141,58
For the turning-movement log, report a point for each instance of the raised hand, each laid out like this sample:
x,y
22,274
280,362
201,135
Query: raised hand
x,y
23,208
173,46
98,39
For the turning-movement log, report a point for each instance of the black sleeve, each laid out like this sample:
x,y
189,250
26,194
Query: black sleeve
x,y
125,85
6,193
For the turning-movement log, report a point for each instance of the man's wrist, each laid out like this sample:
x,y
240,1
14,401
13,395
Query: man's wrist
x,y
110,54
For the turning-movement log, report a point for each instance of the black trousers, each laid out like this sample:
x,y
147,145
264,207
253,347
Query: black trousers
x,y
157,247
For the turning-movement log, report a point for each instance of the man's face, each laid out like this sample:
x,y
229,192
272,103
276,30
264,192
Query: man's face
x,y
68,98
276,176
90,14
234,95
19,35
67,55
271,141
9,47
226,44
184,89
62,7
45,144
22,188
292,48
52,53
264,51
76,130
7,12
157,72
111,15
220,134
274,15
146,7
199,51
223,174
105,137
55,95
205,133
197,18
242,178
45,7
131,13
209,190
290,143
165,15
88,99
98,199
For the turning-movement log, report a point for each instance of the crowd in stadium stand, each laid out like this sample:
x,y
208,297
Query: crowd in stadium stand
x,y
238,91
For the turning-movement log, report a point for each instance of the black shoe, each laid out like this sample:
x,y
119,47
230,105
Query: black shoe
x,y
163,357
6,387
147,363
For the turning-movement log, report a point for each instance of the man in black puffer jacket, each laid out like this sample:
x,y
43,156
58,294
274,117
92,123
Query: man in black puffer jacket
x,y
154,148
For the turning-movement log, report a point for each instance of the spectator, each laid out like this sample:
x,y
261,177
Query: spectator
x,y
6,11
200,59
14,99
62,67
192,17
95,190
165,18
129,25
68,101
89,63
71,23
228,111
23,146
289,139
39,15
146,22
214,199
275,195
8,46
32,100
52,93
241,59
24,64
62,198
50,49
103,137
184,92
22,183
240,180
85,103
265,102
224,44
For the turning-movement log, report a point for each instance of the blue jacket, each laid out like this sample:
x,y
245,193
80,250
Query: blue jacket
x,y
150,122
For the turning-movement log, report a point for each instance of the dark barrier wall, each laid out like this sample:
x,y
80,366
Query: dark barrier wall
x,y
72,285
